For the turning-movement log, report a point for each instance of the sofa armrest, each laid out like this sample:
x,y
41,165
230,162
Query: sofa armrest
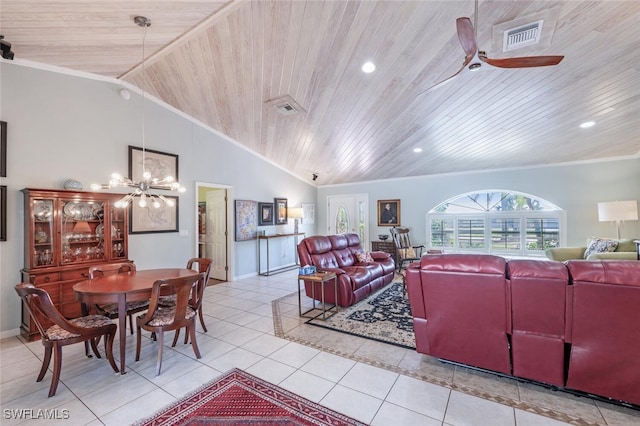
x,y
565,253
615,255
380,255
337,271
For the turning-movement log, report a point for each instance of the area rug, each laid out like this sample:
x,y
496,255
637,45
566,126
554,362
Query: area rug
x,y
238,398
384,316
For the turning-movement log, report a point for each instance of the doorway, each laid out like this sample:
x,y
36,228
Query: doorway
x,y
349,213
212,223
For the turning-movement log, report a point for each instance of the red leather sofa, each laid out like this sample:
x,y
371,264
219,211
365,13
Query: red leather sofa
x,y
337,253
573,325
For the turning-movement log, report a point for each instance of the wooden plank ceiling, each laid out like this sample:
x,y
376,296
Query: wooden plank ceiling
x,y
224,62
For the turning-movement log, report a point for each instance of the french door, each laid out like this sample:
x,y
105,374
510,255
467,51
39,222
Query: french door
x,y
349,213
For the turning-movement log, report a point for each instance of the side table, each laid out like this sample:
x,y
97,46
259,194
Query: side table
x,y
322,278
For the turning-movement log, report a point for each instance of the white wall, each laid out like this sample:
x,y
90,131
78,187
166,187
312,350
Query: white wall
x,y
63,126
575,188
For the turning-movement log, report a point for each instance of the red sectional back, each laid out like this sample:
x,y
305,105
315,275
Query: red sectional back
x,y
604,328
341,250
538,292
317,250
467,301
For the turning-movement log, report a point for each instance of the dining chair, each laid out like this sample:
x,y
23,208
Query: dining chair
x,y
111,309
203,266
159,318
64,332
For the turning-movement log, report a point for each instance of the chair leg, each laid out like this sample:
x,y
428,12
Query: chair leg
x,y
160,347
204,327
186,336
57,366
138,342
45,363
131,323
175,338
108,349
194,344
86,349
94,346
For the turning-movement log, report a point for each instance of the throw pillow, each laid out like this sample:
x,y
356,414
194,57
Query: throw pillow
x,y
407,253
600,245
364,257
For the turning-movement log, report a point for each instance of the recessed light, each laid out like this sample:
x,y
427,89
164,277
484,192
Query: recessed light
x,y
417,150
368,67
588,124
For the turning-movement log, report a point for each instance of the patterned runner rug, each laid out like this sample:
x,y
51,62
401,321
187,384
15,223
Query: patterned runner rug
x,y
238,398
384,316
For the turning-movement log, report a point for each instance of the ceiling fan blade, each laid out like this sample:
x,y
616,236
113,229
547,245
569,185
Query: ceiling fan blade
x,y
523,62
448,79
467,36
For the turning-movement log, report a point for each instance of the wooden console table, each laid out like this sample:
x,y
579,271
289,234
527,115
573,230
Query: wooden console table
x,y
268,238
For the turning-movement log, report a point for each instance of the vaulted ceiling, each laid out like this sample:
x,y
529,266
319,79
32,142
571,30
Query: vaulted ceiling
x,y
228,63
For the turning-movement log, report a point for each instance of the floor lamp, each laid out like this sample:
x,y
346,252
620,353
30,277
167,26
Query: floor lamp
x,y
617,211
296,214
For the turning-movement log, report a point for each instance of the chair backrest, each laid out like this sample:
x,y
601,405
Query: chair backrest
x,y
39,304
204,265
400,237
111,269
188,291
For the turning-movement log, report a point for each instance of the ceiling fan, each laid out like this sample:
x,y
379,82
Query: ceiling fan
x,y
468,36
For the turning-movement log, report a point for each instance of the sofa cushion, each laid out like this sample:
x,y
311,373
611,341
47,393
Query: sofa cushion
x,y
407,253
364,257
600,245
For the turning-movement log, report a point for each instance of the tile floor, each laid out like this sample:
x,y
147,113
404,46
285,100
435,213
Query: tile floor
x,y
344,374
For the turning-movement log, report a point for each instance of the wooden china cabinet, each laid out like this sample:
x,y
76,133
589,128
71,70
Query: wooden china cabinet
x,y
66,232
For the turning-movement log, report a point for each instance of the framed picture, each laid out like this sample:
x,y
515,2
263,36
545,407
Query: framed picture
x,y
388,212
265,211
3,213
3,149
309,213
147,220
159,164
246,220
280,205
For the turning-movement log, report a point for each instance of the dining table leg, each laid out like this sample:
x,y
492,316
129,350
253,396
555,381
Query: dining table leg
x,y
122,329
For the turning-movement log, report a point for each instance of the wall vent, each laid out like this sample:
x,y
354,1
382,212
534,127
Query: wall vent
x,y
522,36
285,106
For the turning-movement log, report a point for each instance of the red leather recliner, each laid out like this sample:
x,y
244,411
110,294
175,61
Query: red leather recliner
x,y
603,326
461,304
336,253
538,291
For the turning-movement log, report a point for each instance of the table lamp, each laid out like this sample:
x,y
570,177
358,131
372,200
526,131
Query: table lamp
x,y
617,211
295,213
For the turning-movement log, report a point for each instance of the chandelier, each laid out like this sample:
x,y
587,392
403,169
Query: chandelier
x,y
145,188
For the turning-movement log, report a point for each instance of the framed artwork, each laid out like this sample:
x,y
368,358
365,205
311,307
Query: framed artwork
x,y
3,149
309,213
159,164
388,212
3,213
280,205
147,220
246,220
265,211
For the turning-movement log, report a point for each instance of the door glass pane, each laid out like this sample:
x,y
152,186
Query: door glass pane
x,y
342,220
83,231
43,233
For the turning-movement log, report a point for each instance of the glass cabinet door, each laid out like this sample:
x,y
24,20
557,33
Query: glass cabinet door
x,y
42,215
83,232
118,241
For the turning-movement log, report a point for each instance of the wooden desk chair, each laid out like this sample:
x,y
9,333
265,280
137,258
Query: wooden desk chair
x,y
64,332
111,309
159,318
407,252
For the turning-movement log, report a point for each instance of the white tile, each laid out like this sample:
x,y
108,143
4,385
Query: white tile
x,y
271,371
240,336
373,381
331,367
390,414
237,358
468,410
307,385
138,409
294,354
191,380
352,403
265,344
422,397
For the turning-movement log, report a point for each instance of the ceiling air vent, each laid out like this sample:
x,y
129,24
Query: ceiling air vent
x,y
524,35
285,105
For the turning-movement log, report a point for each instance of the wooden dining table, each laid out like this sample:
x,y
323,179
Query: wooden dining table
x,y
122,288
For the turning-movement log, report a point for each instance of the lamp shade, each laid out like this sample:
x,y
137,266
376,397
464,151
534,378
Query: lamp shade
x,y
295,213
614,211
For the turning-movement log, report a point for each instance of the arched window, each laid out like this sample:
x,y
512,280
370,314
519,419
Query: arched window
x,y
494,221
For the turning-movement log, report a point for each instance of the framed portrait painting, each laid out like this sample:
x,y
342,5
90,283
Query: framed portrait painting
x,y
159,164
246,220
388,212
265,212
149,219
281,215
